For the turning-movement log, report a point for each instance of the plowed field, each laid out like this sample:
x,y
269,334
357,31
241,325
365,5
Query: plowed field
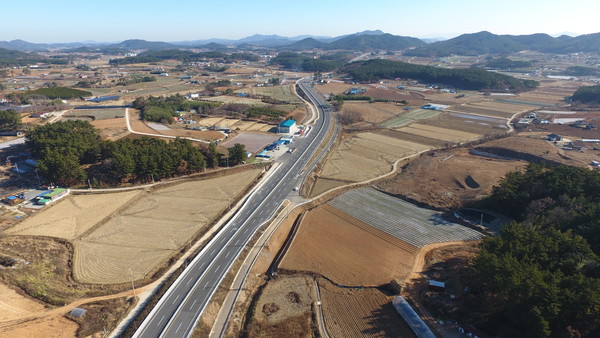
x,y
344,249
360,313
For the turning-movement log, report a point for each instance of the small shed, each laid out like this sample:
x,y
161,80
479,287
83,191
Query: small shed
x,y
436,285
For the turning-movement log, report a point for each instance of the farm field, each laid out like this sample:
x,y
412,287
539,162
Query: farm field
x,y
502,112
111,129
360,313
168,217
98,114
235,99
375,112
409,117
464,122
138,125
73,216
439,133
551,92
446,179
234,124
284,309
367,155
334,244
414,225
252,141
283,93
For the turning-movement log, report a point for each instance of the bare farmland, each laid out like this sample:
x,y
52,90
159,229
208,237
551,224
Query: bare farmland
x,y
367,155
167,218
73,216
443,134
360,313
343,248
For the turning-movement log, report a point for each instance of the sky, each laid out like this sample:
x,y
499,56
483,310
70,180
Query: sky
x,y
43,21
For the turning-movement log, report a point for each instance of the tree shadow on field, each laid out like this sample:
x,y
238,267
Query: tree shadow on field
x,y
386,322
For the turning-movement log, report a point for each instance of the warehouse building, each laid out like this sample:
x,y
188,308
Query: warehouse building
x,y
287,127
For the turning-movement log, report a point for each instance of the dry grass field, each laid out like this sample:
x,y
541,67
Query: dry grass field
x,y
73,216
440,179
343,248
367,155
283,93
153,228
283,309
409,117
360,313
444,134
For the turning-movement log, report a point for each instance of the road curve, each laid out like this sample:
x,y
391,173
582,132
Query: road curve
x,y
180,308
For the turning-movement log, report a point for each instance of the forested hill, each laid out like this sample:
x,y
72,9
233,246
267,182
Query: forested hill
x,y
488,43
540,277
587,95
473,79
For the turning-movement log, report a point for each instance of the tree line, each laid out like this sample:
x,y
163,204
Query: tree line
x,y
471,79
69,152
540,276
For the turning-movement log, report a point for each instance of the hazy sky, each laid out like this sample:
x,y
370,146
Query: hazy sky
x,y
177,20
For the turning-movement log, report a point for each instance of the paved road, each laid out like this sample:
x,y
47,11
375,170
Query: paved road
x,y
179,309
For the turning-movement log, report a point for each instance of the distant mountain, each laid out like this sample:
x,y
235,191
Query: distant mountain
x,y
308,43
361,41
379,41
215,46
137,44
488,43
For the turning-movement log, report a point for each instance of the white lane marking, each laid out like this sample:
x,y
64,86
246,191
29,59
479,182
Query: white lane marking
x,y
178,327
189,281
194,303
227,254
218,266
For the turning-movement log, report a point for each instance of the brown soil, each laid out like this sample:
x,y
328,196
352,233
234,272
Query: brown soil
x,y
360,313
102,316
440,178
283,309
342,248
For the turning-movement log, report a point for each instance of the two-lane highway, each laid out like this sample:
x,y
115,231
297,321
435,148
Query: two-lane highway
x,y
179,309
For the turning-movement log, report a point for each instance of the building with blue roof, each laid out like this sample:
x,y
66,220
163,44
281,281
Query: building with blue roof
x,y
287,127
